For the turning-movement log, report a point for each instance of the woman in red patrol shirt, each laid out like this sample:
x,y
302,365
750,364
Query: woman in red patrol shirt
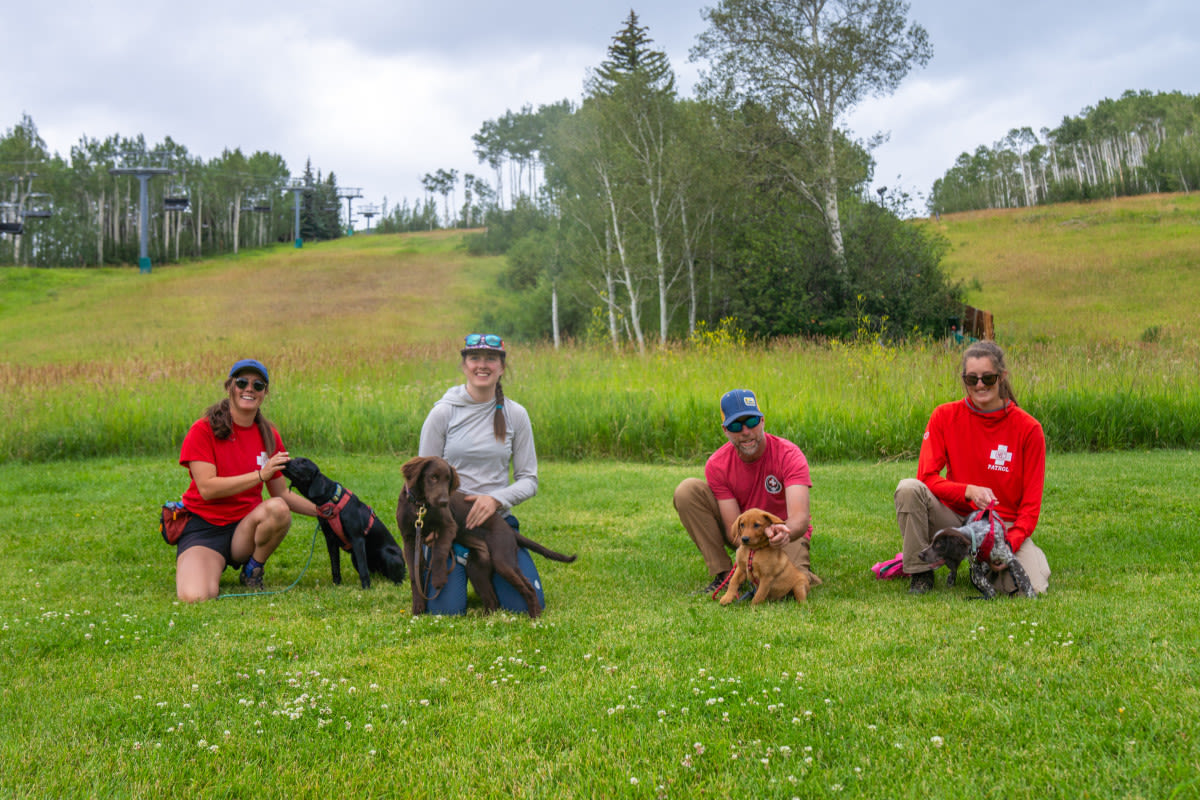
x,y
227,454
992,451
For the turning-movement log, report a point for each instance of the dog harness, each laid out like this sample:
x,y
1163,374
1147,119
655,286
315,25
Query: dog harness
x,y
983,534
331,512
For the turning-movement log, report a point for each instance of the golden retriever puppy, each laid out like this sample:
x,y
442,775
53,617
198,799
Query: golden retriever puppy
x,y
770,570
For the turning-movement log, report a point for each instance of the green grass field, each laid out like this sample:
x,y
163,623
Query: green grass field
x,y
629,686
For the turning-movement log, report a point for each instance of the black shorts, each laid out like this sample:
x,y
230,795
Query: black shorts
x,y
199,532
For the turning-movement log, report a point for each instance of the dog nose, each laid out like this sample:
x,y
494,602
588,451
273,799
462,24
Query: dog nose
x,y
745,540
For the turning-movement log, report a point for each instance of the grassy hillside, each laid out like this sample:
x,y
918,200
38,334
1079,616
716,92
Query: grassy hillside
x,y
361,337
1123,269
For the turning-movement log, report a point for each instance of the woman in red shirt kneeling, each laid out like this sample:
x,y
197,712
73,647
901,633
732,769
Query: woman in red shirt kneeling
x,y
992,452
232,452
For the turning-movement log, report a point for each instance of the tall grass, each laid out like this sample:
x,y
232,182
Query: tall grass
x,y
360,336
838,401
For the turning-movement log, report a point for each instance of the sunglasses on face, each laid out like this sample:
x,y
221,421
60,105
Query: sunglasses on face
x,y
988,379
242,383
744,422
484,339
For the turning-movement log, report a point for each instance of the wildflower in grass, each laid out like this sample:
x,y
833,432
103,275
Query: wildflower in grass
x,y
633,781
937,741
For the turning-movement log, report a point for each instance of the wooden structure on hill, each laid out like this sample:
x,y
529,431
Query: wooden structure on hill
x,y
974,324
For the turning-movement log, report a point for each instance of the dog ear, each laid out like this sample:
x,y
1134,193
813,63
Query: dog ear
x,y
412,471
774,520
453,478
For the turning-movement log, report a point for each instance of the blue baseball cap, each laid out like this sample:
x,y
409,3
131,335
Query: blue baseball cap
x,y
249,363
739,403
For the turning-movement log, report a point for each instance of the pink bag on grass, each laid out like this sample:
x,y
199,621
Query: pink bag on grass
x,y
892,568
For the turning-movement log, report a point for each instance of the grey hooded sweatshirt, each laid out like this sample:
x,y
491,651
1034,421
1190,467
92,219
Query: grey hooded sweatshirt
x,y
460,430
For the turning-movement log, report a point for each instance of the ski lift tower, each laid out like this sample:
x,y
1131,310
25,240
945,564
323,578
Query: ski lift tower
x,y
297,186
350,195
143,174
367,213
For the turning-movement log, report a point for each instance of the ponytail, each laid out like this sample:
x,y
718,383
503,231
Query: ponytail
x,y
499,426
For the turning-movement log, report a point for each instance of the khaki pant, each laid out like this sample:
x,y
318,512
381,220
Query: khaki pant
x,y
920,515
701,518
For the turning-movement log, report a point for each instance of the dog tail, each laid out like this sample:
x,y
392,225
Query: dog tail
x,y
545,552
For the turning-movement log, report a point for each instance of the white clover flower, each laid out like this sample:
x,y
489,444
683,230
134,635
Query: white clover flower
x,y
937,741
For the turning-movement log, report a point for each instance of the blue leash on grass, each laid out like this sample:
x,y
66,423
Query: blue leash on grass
x,y
312,548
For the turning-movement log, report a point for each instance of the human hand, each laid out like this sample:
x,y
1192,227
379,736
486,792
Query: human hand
x,y
980,496
778,535
273,464
483,506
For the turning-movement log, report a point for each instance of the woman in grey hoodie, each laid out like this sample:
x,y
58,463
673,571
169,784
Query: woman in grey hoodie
x,y
481,432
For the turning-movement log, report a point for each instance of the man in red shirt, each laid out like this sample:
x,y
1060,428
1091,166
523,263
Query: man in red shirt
x,y
753,469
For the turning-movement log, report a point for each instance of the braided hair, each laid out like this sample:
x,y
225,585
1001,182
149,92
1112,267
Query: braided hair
x,y
990,350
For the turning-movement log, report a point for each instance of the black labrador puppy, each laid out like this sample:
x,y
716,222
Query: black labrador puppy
x,y
348,524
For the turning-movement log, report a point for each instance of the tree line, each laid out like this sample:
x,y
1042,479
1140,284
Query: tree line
x,y
84,210
661,217
1141,143
633,217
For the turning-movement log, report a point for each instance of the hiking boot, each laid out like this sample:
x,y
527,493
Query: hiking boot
x,y
717,581
253,580
921,583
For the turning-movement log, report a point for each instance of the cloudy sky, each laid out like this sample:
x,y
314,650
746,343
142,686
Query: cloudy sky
x,y
381,92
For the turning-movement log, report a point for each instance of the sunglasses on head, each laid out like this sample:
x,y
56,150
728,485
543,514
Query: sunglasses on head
x,y
242,383
988,379
744,422
484,340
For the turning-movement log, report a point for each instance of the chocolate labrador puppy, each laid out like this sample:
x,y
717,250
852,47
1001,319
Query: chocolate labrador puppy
x,y
431,511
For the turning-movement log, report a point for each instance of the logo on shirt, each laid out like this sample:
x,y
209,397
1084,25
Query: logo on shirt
x,y
262,459
1000,458
773,485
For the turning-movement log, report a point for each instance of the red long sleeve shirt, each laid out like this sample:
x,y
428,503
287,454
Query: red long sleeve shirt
x,y
1004,450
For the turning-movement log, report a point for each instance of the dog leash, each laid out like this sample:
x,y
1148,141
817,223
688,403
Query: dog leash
x,y
311,549
419,547
984,553
729,575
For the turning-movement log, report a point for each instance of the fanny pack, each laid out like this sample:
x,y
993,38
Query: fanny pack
x,y
172,521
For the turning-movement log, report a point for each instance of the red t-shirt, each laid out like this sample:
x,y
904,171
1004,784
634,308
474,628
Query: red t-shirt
x,y
242,452
1004,450
761,483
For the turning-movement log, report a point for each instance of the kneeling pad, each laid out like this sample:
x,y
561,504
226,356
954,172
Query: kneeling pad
x,y
510,598
452,599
